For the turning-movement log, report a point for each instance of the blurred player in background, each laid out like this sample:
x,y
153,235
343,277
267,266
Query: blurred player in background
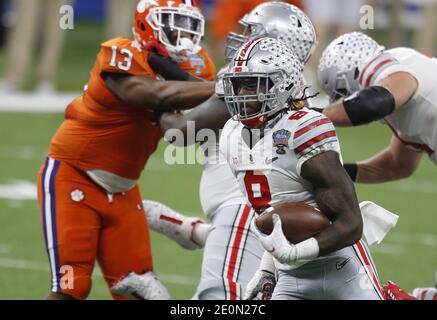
x,y
118,18
87,187
396,86
331,18
367,83
24,34
232,252
281,152
226,14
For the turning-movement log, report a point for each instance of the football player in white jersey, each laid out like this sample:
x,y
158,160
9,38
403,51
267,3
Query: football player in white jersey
x,y
397,86
280,151
232,252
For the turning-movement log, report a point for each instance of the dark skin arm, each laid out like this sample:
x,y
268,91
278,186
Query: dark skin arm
x,y
211,114
144,92
335,196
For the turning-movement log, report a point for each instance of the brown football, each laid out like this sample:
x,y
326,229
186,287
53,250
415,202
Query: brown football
x,y
299,221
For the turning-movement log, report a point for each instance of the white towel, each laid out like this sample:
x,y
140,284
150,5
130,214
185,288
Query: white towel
x,y
377,221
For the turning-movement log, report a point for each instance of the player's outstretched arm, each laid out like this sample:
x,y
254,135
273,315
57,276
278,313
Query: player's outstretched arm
x,y
335,195
393,163
168,69
142,91
373,103
211,114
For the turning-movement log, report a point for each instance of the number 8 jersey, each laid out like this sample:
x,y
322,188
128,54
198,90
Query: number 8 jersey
x,y
268,165
100,131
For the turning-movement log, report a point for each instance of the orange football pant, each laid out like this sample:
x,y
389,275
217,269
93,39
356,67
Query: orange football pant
x,y
82,224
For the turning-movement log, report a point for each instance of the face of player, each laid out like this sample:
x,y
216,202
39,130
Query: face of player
x,y
182,23
252,88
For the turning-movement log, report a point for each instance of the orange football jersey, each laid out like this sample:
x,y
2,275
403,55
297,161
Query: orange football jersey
x,y
102,132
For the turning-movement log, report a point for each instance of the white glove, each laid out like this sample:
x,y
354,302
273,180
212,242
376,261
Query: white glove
x,y
285,252
261,286
277,245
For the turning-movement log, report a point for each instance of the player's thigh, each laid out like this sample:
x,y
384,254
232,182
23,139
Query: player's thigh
x,y
352,276
286,287
231,255
124,243
70,228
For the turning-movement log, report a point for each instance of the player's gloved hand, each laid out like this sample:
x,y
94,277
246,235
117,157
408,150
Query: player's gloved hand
x,y
285,252
156,47
277,245
261,286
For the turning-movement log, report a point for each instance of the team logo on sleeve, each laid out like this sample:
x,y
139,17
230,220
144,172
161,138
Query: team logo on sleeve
x,y
77,195
280,140
197,62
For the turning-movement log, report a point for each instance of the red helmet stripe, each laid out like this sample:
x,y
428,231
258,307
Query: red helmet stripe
x,y
244,52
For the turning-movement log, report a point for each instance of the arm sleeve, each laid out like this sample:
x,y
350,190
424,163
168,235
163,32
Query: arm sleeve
x,y
312,136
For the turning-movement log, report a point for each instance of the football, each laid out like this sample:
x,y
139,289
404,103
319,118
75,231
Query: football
x,y
299,221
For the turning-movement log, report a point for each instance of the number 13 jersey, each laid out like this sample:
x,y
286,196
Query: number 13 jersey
x,y
101,132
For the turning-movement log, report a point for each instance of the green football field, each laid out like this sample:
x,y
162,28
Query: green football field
x,y
408,255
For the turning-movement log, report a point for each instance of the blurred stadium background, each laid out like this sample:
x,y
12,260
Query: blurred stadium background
x,y
30,114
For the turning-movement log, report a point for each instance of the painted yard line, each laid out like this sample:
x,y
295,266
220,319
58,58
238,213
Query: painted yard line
x,y
18,190
387,248
10,263
411,185
22,152
413,238
36,103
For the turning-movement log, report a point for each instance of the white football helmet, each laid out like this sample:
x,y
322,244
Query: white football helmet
x,y
264,77
278,20
343,61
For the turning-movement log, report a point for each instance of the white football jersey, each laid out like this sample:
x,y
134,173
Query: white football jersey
x,y
218,186
270,172
415,123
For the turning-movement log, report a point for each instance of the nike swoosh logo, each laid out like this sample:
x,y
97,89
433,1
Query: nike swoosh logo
x,y
340,265
268,161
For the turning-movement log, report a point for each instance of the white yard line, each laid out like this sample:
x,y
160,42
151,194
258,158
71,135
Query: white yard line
x,y
22,152
413,238
36,103
11,263
18,190
387,248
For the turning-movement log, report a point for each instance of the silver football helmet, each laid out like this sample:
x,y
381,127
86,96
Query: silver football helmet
x,y
343,61
278,20
264,77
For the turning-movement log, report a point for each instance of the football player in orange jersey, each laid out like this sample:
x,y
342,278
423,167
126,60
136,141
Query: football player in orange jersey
x,y
87,187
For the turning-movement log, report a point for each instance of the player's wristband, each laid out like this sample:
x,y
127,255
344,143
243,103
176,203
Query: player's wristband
x,y
352,170
307,250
